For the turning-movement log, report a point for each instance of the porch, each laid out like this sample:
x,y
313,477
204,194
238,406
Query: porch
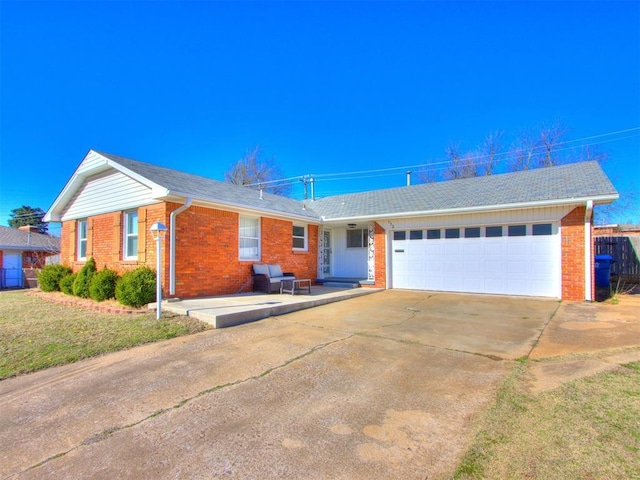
x,y
344,282
230,310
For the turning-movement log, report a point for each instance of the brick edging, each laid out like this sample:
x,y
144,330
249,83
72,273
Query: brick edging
x,y
88,304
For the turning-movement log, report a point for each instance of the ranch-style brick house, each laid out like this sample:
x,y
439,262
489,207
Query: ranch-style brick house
x,y
524,233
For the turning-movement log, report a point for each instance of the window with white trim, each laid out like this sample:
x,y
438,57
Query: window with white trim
x,y
82,239
249,238
299,233
357,238
130,236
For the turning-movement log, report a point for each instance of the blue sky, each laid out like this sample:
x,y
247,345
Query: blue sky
x,y
322,87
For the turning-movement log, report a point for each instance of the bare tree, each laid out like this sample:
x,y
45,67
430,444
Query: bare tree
x,y
461,165
524,151
426,175
623,210
550,137
250,170
489,152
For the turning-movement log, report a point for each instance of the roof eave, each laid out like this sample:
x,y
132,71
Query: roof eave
x,y
54,214
29,248
602,199
212,202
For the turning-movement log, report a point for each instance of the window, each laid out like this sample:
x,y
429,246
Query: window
x,y
433,234
299,237
130,235
494,232
415,235
82,239
249,238
542,229
452,233
357,238
472,232
399,235
517,230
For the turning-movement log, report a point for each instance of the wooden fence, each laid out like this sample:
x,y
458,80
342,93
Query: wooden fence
x,y
626,256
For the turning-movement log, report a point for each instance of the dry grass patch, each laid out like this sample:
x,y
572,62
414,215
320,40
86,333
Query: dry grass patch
x,y
35,334
585,429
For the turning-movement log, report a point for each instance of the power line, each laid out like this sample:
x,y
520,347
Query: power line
x,y
477,159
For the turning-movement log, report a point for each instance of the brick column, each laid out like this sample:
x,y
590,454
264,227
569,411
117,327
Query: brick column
x,y
573,255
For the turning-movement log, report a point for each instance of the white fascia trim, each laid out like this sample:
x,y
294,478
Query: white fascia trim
x,y
79,177
107,210
216,203
68,191
484,208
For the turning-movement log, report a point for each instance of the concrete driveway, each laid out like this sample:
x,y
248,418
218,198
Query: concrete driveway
x,y
380,386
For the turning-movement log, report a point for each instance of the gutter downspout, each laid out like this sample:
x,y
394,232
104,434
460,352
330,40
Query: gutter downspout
x,y
172,245
587,251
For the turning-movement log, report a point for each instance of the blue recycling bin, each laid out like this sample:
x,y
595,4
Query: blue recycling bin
x,y
603,270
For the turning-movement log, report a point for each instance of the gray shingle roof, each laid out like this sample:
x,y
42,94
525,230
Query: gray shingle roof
x,y
572,182
14,239
207,189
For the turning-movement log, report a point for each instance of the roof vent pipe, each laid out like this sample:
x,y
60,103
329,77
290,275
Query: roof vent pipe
x,y
409,178
313,190
172,245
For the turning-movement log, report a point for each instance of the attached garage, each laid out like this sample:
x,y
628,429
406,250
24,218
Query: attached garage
x,y
522,233
517,259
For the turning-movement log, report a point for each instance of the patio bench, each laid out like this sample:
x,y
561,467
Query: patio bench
x,y
267,278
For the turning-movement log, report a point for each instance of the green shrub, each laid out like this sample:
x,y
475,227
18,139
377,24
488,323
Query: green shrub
x,y
66,284
103,285
83,280
137,288
50,276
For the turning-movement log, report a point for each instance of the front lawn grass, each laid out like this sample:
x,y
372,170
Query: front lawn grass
x,y
585,429
35,334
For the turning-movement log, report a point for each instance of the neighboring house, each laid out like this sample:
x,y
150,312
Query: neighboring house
x,y
23,249
524,233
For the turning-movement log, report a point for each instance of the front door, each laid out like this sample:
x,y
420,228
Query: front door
x,y
12,269
326,254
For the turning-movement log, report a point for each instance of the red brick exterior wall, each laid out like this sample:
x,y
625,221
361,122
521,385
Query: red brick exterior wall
x,y
380,237
207,260
573,253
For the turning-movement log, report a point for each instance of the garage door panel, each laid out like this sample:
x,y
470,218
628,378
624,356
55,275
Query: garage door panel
x,y
526,265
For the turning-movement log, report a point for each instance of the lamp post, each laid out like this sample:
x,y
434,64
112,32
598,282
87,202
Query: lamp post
x,y
158,232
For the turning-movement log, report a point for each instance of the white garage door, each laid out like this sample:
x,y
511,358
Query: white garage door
x,y
501,259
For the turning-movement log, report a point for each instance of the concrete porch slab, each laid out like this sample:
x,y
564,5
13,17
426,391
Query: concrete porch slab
x,y
230,310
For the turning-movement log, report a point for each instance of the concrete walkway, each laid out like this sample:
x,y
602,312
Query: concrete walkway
x,y
230,310
381,386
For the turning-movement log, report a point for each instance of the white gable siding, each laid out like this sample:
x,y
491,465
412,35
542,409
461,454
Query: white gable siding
x,y
109,192
91,161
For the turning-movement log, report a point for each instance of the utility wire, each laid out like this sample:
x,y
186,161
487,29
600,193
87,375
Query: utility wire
x,y
498,157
